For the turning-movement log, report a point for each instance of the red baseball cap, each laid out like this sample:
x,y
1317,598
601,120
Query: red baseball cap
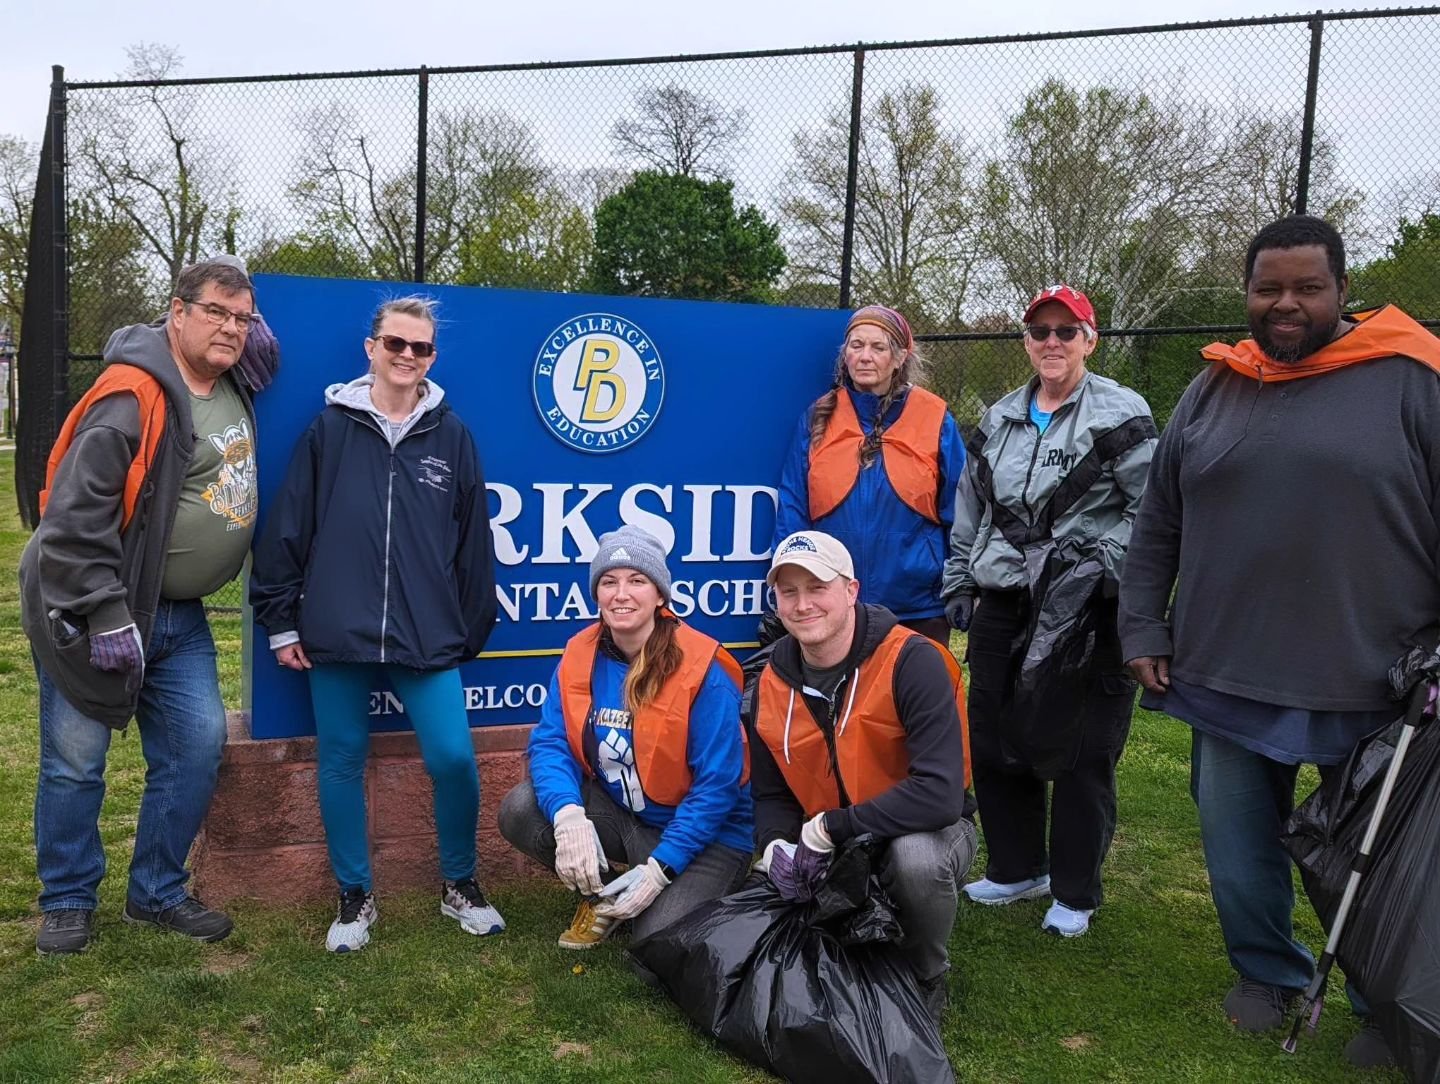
x,y
1078,304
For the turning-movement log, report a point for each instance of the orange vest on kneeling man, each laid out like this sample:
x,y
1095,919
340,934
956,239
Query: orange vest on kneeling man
x,y
870,753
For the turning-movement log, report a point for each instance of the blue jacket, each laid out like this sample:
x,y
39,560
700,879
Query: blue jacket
x,y
717,809
899,555
378,550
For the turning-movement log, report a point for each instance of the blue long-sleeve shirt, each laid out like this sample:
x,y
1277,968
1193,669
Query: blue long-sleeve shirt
x,y
716,810
899,555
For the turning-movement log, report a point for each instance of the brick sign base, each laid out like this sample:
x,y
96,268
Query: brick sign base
x,y
263,838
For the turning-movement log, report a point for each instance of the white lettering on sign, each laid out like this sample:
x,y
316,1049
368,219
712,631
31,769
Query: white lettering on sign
x,y
568,508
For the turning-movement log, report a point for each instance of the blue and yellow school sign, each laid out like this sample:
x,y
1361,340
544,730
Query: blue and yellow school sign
x,y
588,412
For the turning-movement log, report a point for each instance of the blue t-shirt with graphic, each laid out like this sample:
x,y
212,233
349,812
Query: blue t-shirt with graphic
x,y
716,810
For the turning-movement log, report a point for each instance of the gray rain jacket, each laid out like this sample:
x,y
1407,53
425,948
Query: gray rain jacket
x,y
1076,455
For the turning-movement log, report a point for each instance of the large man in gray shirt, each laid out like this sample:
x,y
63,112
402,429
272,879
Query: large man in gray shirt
x,y
1294,506
149,505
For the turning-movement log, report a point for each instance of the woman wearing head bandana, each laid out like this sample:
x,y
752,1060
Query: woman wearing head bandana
x,y
874,463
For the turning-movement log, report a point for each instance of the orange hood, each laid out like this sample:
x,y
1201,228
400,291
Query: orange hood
x,y
1379,333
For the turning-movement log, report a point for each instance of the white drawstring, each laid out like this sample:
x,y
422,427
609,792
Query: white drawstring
x,y
854,684
790,711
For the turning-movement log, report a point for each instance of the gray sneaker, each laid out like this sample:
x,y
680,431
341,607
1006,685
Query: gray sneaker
x,y
466,904
65,932
1257,1006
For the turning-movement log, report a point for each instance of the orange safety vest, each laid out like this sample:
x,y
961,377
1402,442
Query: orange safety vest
x,y
118,379
869,746
910,450
661,728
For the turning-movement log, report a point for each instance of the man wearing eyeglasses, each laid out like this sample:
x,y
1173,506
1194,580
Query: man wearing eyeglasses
x,y
149,505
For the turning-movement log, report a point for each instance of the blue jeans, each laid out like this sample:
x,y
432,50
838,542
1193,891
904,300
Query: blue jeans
x,y
1244,799
182,733
435,704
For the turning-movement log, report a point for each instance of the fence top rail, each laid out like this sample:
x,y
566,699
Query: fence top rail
x,y
757,54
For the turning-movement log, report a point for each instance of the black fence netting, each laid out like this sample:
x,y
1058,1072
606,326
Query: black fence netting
x,y
950,180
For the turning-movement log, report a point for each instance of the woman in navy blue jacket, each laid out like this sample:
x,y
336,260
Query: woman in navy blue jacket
x,y
376,566
875,462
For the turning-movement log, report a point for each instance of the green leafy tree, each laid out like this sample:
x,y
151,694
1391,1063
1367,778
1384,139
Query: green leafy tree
x,y
667,235
110,285
18,163
1408,274
538,239
495,214
915,225
1103,188
321,255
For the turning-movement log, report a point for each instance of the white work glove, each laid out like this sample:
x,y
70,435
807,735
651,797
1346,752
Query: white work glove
x,y
633,891
763,866
579,858
814,835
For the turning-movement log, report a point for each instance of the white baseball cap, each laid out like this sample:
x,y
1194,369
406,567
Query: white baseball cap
x,y
818,553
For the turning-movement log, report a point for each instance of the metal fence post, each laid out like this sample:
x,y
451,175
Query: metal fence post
x,y
59,250
1307,130
847,246
422,139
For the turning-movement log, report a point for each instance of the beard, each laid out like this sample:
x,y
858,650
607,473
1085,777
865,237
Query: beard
x,y
1291,353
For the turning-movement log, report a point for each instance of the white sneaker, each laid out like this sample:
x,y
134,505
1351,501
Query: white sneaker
x,y
994,894
350,932
1066,921
466,904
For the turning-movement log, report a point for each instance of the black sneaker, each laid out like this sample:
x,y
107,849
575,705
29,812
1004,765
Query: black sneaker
x,y
190,918
1369,1049
65,932
1257,1006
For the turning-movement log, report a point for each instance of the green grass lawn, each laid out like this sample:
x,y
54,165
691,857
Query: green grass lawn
x,y
1138,999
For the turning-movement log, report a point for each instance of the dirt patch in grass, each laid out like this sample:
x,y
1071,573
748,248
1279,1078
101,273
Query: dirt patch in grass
x,y
564,1050
223,963
90,1003
1077,1042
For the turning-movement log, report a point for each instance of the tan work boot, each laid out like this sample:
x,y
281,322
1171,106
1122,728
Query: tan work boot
x,y
587,929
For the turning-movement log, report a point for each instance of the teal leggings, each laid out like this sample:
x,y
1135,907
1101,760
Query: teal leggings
x,y
435,705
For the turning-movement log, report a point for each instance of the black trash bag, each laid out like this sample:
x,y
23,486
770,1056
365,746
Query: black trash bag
x,y
811,992
1047,708
1390,946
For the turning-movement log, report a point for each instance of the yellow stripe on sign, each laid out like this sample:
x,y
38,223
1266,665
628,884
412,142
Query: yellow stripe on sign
x,y
543,651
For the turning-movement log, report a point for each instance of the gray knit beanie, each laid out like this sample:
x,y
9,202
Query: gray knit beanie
x,y
631,547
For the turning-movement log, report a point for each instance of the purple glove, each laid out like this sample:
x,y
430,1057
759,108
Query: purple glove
x,y
797,873
119,652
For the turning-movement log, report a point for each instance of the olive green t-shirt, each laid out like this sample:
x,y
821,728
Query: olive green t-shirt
x,y
216,514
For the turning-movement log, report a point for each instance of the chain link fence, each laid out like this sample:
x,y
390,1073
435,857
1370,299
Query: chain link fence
x,y
950,180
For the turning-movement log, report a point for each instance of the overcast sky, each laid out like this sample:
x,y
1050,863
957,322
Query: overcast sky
x,y
266,37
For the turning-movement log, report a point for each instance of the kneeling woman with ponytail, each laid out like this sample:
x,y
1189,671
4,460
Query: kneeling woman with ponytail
x,y
638,759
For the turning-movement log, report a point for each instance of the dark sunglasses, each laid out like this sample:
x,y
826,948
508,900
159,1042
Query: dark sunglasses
x,y
396,345
1041,332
